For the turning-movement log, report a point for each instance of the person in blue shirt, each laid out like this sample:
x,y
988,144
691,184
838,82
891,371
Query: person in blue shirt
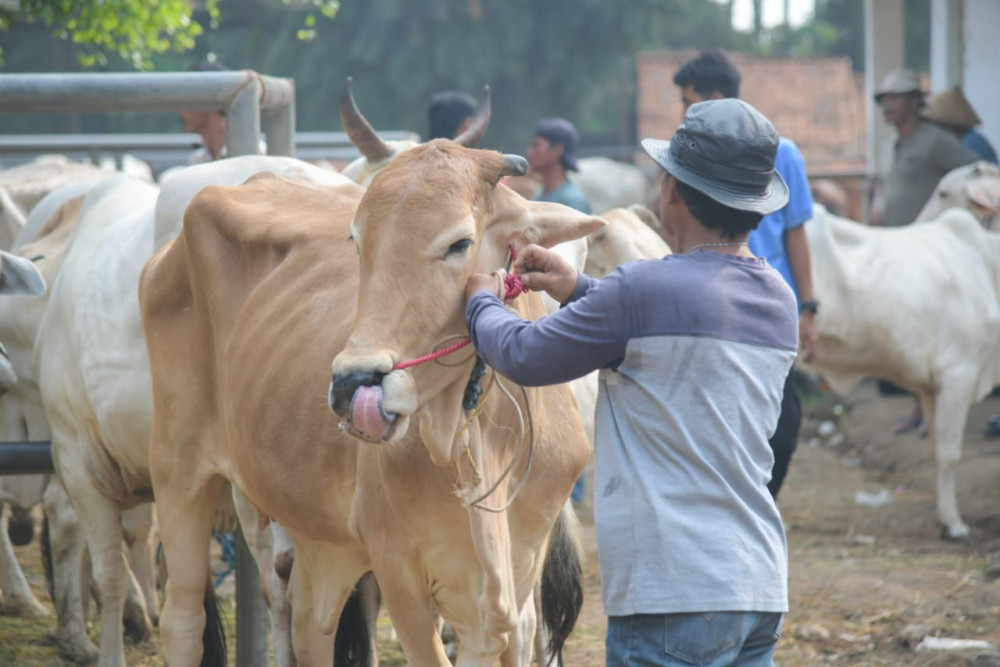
x,y
952,111
780,238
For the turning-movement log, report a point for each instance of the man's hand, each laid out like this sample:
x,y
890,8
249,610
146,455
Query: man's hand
x,y
807,335
492,282
544,270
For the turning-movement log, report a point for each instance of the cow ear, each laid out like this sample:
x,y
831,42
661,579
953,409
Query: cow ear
x,y
543,223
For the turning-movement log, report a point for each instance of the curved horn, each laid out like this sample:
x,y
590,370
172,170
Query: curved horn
x,y
360,132
475,132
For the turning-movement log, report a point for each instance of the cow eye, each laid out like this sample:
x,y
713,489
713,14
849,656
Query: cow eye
x,y
458,247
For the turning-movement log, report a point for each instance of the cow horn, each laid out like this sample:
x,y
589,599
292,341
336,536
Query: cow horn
x,y
360,132
480,122
516,165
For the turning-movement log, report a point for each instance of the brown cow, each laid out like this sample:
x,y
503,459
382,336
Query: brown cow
x,y
244,311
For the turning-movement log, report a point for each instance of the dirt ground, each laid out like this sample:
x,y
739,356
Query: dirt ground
x,y
867,584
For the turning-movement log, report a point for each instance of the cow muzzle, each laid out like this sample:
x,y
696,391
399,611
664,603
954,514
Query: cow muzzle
x,y
373,406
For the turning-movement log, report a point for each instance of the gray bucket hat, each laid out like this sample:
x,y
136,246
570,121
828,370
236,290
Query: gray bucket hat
x,y
725,149
899,82
20,276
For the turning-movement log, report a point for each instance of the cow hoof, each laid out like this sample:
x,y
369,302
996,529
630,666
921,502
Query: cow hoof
x,y
960,535
23,608
77,650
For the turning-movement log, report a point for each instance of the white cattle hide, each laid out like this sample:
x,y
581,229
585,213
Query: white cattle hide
x,y
918,306
609,184
975,187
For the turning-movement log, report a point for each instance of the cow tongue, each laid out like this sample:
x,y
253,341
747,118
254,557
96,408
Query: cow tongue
x,y
367,415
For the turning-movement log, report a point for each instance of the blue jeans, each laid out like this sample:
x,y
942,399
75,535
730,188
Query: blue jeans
x,y
707,639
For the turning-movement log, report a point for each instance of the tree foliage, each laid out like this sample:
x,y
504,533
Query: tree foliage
x,y
134,29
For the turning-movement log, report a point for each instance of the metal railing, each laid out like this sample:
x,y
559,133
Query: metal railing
x,y
162,151
250,101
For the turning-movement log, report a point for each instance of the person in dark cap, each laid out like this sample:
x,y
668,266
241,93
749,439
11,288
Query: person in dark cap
x,y
450,113
693,350
780,239
553,153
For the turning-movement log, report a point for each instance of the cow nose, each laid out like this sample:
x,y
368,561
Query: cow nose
x,y
343,386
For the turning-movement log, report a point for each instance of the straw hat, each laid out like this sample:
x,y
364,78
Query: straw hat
x,y
950,107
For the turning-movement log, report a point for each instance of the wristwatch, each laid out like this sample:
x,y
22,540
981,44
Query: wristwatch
x,y
812,305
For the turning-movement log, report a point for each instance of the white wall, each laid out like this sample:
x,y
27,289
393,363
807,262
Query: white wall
x,y
981,76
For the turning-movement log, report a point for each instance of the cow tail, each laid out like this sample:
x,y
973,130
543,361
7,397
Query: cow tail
x,y
353,644
46,545
213,637
562,581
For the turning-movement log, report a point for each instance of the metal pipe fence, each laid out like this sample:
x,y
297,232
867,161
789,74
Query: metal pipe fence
x,y
251,101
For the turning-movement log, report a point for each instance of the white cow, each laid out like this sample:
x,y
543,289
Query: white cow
x,y
609,184
975,186
631,235
917,306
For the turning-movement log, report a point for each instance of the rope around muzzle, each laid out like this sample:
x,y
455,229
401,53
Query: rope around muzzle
x,y
474,398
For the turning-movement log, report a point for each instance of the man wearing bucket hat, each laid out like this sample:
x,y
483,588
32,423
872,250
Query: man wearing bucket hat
x,y
952,112
693,350
922,153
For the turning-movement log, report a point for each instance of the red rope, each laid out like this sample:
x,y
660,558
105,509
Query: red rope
x,y
512,287
433,355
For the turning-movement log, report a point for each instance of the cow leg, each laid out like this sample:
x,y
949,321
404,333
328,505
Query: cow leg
x,y
101,518
524,637
409,607
185,511
948,412
137,524
67,546
18,600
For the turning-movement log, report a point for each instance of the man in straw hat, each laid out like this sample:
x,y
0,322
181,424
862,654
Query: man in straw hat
x,y
952,112
693,350
922,154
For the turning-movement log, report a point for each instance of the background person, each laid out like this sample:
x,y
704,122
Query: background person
x,y
922,154
210,125
780,239
951,111
451,112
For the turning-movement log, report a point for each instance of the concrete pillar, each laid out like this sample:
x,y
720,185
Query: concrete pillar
x,y
883,53
946,44
981,28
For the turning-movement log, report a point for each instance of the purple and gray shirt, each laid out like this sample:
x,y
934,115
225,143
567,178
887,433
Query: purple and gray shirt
x,y
693,351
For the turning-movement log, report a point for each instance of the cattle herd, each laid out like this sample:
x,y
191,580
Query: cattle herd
x,y
240,341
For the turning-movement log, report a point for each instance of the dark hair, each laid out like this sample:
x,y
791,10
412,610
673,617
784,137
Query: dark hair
x,y
710,72
730,221
447,112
